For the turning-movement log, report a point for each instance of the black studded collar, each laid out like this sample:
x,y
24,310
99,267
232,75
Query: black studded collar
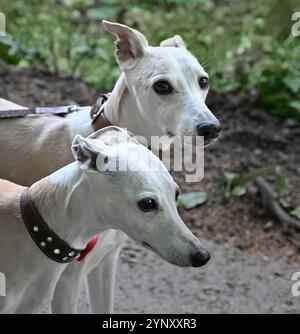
x,y
47,240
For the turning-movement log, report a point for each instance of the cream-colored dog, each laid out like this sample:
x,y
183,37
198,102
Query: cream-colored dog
x,y
73,203
161,91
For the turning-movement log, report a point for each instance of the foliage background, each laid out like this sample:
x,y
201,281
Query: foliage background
x,y
244,45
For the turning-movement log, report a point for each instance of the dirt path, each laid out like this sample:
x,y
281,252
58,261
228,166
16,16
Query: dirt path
x,y
233,282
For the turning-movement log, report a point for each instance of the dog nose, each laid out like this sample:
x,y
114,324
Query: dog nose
x,y
200,259
209,130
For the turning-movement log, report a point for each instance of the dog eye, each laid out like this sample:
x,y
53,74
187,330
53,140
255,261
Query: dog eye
x,y
203,82
163,87
147,204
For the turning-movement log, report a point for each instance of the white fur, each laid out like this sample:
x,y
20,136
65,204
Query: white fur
x,y
34,147
75,204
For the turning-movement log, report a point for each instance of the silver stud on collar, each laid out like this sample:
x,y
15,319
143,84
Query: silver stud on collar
x,y
49,243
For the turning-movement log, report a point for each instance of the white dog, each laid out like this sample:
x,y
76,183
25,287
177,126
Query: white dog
x,y
85,198
161,91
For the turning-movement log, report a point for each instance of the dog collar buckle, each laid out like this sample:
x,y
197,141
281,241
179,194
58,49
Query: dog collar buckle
x,y
98,109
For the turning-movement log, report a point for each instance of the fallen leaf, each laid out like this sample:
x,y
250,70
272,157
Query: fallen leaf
x,y
190,200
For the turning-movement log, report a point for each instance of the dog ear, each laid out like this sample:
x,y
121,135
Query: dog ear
x,y
92,154
130,43
84,153
175,41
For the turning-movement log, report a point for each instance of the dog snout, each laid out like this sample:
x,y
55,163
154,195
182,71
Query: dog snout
x,y
209,130
200,258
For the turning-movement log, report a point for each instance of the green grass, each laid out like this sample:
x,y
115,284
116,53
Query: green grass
x,y
245,46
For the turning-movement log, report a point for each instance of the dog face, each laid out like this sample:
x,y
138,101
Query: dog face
x,y
168,84
153,219
142,195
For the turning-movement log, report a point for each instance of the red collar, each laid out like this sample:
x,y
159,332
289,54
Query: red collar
x,y
90,246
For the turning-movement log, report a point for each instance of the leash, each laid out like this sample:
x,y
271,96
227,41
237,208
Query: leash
x,y
61,111
97,111
47,240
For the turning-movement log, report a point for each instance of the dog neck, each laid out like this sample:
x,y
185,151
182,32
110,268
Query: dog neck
x,y
121,109
80,122
114,108
62,201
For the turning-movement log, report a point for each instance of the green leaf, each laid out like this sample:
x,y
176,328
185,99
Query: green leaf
x,y
295,105
190,200
296,212
238,191
6,53
293,83
229,176
281,184
235,185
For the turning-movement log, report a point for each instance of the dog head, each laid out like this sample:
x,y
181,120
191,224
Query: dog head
x,y
168,84
138,195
